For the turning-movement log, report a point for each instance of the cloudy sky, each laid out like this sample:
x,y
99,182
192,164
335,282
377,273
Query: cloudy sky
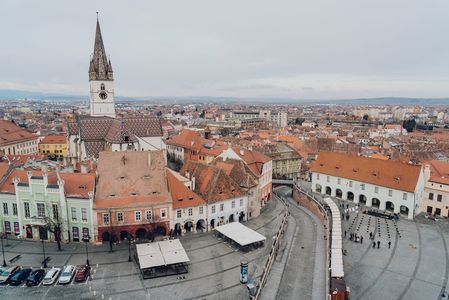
x,y
249,48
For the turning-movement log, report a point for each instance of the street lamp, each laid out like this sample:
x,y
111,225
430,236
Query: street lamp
x,y
86,240
129,247
43,251
3,251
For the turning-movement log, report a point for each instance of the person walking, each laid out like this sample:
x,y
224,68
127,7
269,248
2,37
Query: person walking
x,y
378,244
361,239
345,233
370,235
374,244
389,244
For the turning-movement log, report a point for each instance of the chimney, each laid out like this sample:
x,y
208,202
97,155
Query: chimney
x,y
426,172
150,163
193,183
85,168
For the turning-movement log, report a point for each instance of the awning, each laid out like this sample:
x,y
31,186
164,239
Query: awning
x,y
240,234
161,254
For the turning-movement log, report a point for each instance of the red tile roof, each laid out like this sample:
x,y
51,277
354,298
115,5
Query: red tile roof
x,y
54,139
254,159
439,171
182,196
391,174
10,133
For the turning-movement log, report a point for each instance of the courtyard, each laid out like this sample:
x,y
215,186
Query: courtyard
x,y
213,270
415,266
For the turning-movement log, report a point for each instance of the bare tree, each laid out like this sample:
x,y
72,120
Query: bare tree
x,y
54,224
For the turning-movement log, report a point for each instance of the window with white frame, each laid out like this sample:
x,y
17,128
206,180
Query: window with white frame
x,y
26,208
120,216
233,204
148,215
14,209
163,213
54,208
40,210
350,183
213,209
404,196
105,218
376,189
5,208
84,214
318,176
362,186
190,211
390,193
73,212
137,215
241,202
179,213
339,180
222,207
201,210
328,178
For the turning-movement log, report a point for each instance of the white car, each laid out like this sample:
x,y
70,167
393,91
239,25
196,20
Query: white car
x,y
51,276
67,274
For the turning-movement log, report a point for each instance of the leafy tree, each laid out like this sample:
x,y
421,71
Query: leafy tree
x,y
54,224
365,117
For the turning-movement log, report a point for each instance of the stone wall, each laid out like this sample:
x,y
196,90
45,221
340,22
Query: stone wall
x,y
309,204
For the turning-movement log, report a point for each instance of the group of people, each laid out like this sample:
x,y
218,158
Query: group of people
x,y
354,237
371,236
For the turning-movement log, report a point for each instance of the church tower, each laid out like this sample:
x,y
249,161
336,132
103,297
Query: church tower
x,y
101,80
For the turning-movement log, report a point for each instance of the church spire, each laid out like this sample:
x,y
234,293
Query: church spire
x,y
99,66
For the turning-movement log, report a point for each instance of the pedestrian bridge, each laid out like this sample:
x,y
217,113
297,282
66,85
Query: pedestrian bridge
x,y
283,181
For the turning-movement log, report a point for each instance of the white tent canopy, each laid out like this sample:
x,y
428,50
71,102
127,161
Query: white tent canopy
x,y
161,254
337,269
240,234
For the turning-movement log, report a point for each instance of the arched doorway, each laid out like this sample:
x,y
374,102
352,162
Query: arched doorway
x,y
177,231
318,188
350,196
141,233
188,226
389,206
404,210
375,203
338,193
105,236
328,190
124,235
201,225
212,223
150,235
160,231
231,218
362,199
241,216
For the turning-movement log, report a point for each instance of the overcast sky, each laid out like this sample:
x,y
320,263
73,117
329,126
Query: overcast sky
x,y
249,48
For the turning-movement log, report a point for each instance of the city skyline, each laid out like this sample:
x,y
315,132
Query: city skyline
x,y
311,51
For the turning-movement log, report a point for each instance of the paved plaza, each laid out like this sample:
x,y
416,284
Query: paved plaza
x,y
213,270
416,265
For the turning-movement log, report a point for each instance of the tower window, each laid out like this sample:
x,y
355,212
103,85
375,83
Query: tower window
x,y
102,87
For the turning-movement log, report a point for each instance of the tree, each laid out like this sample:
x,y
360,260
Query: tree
x,y
203,114
409,125
54,225
365,117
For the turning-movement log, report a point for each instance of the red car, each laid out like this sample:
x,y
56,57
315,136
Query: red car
x,y
82,273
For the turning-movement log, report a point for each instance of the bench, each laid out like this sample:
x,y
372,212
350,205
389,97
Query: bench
x,y
15,258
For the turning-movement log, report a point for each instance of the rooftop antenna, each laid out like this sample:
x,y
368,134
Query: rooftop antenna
x,y
97,15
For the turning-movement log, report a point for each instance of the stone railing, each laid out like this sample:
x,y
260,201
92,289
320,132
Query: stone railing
x,y
274,250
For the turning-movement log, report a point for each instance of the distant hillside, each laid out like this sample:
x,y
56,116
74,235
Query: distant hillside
x,y
20,94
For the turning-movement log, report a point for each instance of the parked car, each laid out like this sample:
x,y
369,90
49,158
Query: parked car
x,y
20,276
8,273
82,272
67,274
51,276
35,277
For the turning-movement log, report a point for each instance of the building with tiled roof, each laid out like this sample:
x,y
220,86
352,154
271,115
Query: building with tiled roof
x,y
101,130
226,200
34,201
384,184
286,160
132,196
15,140
259,164
54,146
436,192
